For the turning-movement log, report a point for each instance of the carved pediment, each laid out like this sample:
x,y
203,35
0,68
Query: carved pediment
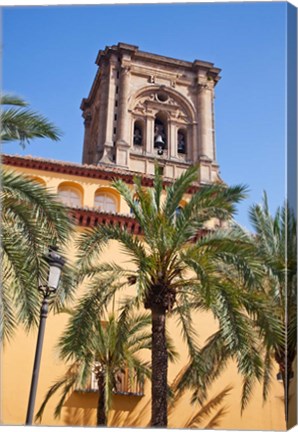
x,y
159,100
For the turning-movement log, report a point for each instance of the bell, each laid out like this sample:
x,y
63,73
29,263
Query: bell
x,y
181,147
159,142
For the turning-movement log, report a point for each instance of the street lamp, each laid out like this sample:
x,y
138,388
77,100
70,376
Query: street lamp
x,y
55,262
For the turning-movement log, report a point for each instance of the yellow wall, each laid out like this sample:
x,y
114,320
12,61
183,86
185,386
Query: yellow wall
x,y
80,408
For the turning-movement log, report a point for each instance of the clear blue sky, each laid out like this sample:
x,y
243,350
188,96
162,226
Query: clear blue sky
x,y
49,55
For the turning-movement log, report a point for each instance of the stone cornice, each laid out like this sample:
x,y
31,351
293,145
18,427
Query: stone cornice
x,y
90,218
90,171
155,58
86,217
169,62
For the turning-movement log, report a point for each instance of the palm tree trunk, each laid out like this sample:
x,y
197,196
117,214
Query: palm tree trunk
x,y
159,415
101,404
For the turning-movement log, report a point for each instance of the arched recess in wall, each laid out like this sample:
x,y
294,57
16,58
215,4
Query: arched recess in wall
x,y
71,194
182,141
39,180
156,93
106,199
161,129
138,133
180,208
136,201
164,112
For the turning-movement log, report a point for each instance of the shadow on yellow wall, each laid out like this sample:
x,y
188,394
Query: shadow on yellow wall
x,y
134,411
80,410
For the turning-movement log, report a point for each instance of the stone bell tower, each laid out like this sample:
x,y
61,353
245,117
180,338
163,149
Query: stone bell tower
x,y
144,107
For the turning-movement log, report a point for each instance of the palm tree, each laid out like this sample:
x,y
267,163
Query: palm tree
x,y
111,347
176,272
19,123
32,219
276,242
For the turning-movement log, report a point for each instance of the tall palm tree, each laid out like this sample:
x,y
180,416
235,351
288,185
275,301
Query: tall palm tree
x,y
276,241
32,220
18,123
177,272
111,347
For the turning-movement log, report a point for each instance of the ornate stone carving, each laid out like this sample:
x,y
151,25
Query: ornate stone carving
x,y
151,102
172,102
181,115
125,70
87,115
141,105
208,85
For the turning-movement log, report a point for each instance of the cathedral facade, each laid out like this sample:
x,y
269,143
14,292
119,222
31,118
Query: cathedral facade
x,y
143,107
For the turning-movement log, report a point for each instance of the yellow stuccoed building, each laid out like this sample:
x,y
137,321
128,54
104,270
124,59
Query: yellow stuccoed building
x,y
141,108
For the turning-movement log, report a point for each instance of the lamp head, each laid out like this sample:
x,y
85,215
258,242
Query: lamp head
x,y
56,262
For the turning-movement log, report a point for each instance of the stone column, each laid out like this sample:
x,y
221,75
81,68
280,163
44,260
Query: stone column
x,y
106,112
172,140
102,114
205,122
192,145
88,151
110,103
149,134
122,120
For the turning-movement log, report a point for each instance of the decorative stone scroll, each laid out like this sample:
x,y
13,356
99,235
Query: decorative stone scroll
x,y
154,101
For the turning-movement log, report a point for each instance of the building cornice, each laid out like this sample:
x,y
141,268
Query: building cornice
x,y
173,64
101,172
90,171
89,217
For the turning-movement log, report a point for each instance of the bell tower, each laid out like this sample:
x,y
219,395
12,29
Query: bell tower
x,y
143,107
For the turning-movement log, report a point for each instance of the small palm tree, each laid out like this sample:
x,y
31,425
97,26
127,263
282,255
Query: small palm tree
x,y
18,123
276,241
32,219
178,272
111,347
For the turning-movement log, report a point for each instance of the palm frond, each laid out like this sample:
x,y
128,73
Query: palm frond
x,y
19,124
214,422
9,99
208,407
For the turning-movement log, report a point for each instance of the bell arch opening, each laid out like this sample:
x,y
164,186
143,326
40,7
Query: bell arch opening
x,y
138,133
161,130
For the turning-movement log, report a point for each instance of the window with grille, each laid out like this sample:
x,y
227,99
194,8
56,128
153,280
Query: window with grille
x,y
126,383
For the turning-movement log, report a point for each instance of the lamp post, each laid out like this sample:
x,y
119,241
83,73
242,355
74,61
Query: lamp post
x,y
56,263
